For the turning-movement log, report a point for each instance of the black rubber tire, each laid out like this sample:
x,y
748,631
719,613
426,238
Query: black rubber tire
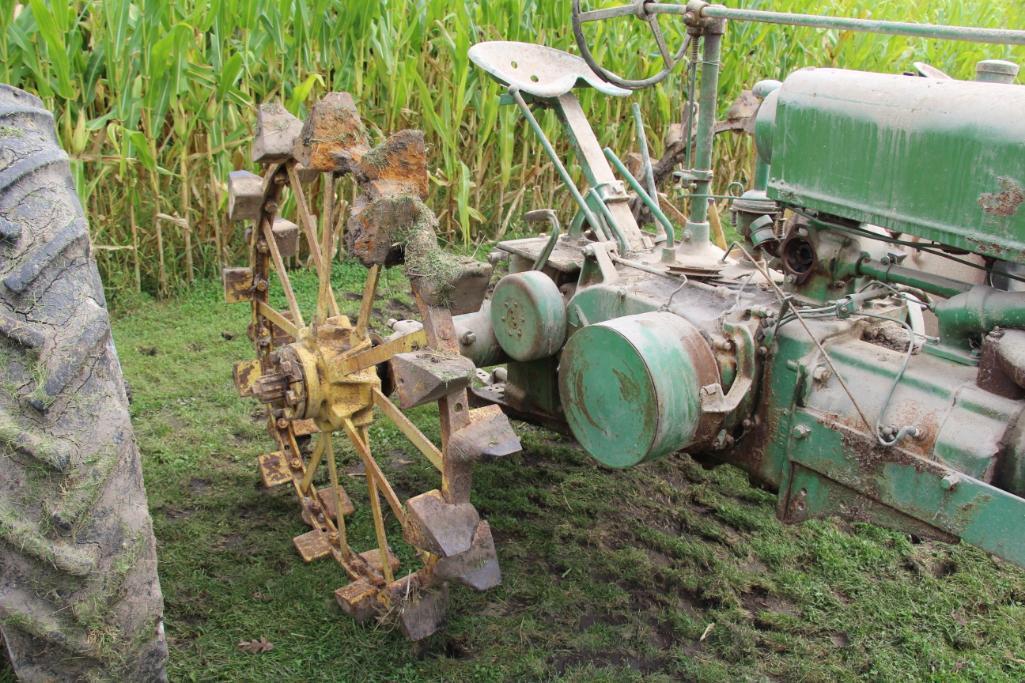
x,y
79,595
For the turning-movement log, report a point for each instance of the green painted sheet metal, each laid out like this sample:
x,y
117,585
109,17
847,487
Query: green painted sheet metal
x,y
955,503
944,160
629,388
528,315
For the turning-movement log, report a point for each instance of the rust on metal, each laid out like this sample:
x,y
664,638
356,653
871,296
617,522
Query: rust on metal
x,y
426,376
328,500
397,166
286,237
442,528
476,568
1007,201
274,469
322,378
245,374
489,435
333,137
276,131
313,545
245,196
238,284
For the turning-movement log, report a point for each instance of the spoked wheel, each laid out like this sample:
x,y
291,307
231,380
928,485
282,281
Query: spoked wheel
x,y
321,377
640,10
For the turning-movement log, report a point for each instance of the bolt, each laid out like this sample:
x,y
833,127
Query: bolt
x,y
261,285
468,338
801,432
270,207
295,463
747,423
282,423
763,351
950,482
261,247
821,373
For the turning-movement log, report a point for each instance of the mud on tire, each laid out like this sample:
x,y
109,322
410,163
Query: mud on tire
x,y
79,595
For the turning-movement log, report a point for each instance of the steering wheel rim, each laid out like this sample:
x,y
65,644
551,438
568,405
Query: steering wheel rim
x,y
669,61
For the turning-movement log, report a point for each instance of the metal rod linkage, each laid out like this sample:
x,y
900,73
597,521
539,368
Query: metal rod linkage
x,y
648,200
971,34
559,167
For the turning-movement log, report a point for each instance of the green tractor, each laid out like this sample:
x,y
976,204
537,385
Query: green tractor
x,y
859,348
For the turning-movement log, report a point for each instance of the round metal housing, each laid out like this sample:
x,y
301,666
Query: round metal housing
x,y
528,315
630,387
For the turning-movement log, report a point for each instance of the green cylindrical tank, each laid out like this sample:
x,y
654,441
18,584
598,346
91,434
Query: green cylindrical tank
x,y
630,387
528,315
940,159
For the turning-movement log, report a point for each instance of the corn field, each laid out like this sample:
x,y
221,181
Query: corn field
x,y
155,100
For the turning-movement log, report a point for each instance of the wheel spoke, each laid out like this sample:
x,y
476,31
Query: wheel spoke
x,y
375,508
656,30
279,267
318,452
332,468
608,13
326,303
374,470
406,426
367,304
327,246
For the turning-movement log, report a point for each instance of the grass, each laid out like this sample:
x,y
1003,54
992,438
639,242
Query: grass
x,y
155,100
662,572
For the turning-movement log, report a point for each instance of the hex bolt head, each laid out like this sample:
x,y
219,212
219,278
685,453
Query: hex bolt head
x,y
801,432
282,423
821,373
468,338
950,482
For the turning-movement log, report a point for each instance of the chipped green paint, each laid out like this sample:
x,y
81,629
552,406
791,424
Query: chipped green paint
x,y
528,316
629,393
920,156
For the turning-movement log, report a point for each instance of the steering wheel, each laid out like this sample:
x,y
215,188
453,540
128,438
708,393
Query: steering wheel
x,y
638,9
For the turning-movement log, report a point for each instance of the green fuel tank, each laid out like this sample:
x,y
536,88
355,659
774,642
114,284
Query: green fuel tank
x,y
940,159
